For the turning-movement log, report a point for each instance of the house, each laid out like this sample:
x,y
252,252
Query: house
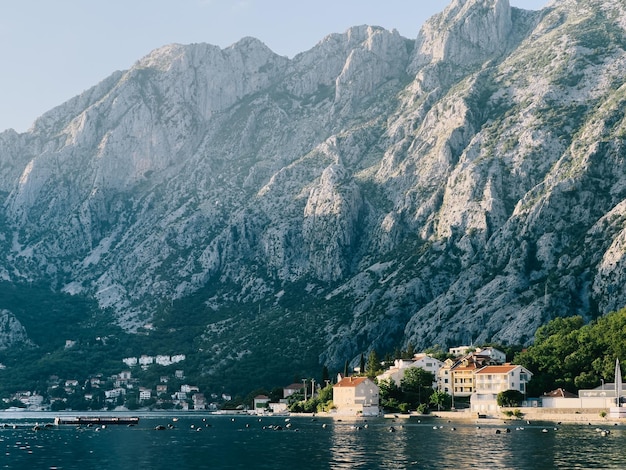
x,y
260,403
163,360
291,389
189,388
130,361
456,377
459,350
199,401
421,360
496,356
145,393
161,389
491,380
177,358
115,393
602,397
145,361
356,396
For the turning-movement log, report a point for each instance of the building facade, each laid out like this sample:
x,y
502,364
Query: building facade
x,y
491,380
356,396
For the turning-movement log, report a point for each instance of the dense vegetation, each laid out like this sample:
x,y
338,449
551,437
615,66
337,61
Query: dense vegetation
x,y
572,355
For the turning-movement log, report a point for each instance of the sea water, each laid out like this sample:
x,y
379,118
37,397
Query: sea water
x,y
245,442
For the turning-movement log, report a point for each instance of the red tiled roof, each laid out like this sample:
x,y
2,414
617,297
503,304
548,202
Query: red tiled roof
x,y
350,382
497,369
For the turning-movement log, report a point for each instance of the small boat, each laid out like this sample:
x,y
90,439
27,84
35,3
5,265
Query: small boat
x,y
91,420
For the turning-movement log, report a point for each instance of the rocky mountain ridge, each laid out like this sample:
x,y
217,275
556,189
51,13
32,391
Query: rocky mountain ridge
x,y
467,185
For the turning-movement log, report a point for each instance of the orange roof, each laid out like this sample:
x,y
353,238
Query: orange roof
x,y
350,382
497,369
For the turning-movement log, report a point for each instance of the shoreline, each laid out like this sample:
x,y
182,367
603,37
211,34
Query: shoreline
x,y
546,415
532,415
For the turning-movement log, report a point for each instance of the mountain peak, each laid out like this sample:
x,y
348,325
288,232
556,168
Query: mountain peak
x,y
467,32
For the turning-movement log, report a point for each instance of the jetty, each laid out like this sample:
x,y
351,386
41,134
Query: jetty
x,y
95,420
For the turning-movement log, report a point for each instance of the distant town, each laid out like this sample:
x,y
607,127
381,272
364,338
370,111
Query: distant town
x,y
472,380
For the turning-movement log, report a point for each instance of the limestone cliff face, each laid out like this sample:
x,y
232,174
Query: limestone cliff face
x,y
12,332
466,185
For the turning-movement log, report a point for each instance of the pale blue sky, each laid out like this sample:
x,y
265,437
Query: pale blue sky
x,y
52,50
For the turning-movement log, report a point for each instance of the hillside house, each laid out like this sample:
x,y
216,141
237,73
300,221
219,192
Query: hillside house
x,y
491,380
145,393
114,394
130,361
423,361
145,361
356,396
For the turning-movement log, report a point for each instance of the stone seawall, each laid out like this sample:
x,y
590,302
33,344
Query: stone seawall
x,y
585,416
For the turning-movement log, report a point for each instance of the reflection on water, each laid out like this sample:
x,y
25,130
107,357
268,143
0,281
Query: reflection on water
x,y
272,443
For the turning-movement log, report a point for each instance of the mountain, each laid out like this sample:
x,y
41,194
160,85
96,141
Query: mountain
x,y
274,215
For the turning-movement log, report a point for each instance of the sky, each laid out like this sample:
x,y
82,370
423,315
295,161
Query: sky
x,y
53,50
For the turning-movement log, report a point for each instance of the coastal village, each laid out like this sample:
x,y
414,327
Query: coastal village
x,y
472,378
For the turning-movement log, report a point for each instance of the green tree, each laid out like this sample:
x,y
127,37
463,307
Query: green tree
x,y
417,385
325,375
410,352
373,367
362,364
389,394
510,398
570,354
440,399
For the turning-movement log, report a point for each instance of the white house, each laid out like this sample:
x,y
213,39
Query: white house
x,y
497,356
261,403
130,361
145,393
163,360
145,361
459,350
356,396
491,380
177,358
115,393
423,361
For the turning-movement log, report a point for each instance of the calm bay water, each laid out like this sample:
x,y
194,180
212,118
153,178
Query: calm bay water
x,y
224,442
